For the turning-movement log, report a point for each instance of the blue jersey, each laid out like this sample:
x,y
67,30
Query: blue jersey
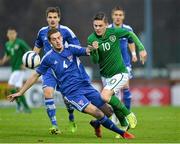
x,y
65,68
124,46
69,38
67,34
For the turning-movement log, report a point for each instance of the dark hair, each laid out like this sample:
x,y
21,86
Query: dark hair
x,y
118,8
53,10
52,31
101,16
11,28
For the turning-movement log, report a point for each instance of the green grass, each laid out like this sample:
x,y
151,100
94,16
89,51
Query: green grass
x,y
155,125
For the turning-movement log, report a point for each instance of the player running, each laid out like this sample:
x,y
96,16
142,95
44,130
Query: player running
x,y
14,50
106,53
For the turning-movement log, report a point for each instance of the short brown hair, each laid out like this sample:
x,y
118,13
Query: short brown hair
x,y
53,10
52,31
118,8
101,16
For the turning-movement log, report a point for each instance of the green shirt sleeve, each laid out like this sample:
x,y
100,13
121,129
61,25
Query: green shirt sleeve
x,y
129,34
24,46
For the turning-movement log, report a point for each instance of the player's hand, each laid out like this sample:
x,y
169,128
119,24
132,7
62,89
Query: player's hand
x,y
95,45
88,50
134,59
12,97
143,56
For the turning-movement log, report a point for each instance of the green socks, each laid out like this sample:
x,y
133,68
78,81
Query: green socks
x,y
20,100
23,100
119,109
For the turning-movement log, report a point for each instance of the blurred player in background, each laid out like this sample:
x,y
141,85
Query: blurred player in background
x,y
49,82
14,51
118,16
106,53
75,88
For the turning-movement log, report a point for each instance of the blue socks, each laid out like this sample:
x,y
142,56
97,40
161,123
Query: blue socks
x,y
51,110
71,115
107,123
127,98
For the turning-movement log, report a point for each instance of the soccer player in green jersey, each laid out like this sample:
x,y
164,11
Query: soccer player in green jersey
x,y
118,16
106,53
14,50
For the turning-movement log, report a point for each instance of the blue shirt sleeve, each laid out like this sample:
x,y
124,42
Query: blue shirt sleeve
x,y
71,37
129,39
77,50
39,41
44,66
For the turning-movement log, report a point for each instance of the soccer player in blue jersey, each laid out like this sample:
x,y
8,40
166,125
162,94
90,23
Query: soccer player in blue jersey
x,y
53,16
118,16
70,82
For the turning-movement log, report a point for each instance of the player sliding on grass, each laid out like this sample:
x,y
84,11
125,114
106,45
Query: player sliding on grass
x,y
106,53
71,83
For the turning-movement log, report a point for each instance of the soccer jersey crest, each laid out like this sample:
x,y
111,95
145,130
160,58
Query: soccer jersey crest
x,y
112,38
81,103
70,58
16,47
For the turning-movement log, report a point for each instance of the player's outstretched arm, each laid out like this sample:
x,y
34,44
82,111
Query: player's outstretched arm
x,y
30,81
4,59
36,49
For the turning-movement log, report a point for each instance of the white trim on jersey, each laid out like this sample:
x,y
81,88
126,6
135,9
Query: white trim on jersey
x,y
75,46
48,53
45,27
71,32
127,27
110,26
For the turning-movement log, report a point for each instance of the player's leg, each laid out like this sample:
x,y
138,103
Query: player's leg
x,y
70,109
105,121
49,84
18,103
82,103
121,117
114,84
18,84
15,82
126,91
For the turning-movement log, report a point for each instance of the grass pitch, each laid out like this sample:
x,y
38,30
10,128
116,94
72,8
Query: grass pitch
x,y
155,125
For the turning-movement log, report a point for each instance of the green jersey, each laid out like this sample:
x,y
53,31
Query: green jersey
x,y
108,54
15,50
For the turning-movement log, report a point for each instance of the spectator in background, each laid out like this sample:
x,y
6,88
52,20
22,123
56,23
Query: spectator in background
x,y
14,51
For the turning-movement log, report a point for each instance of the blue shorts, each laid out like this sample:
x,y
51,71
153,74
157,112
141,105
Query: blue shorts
x,y
48,80
83,96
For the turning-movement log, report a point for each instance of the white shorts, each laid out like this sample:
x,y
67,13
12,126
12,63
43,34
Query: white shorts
x,y
116,82
16,79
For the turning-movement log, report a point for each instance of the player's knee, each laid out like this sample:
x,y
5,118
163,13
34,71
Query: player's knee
x,y
48,92
106,95
94,111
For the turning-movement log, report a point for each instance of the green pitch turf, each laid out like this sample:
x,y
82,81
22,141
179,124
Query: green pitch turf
x,y
155,125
